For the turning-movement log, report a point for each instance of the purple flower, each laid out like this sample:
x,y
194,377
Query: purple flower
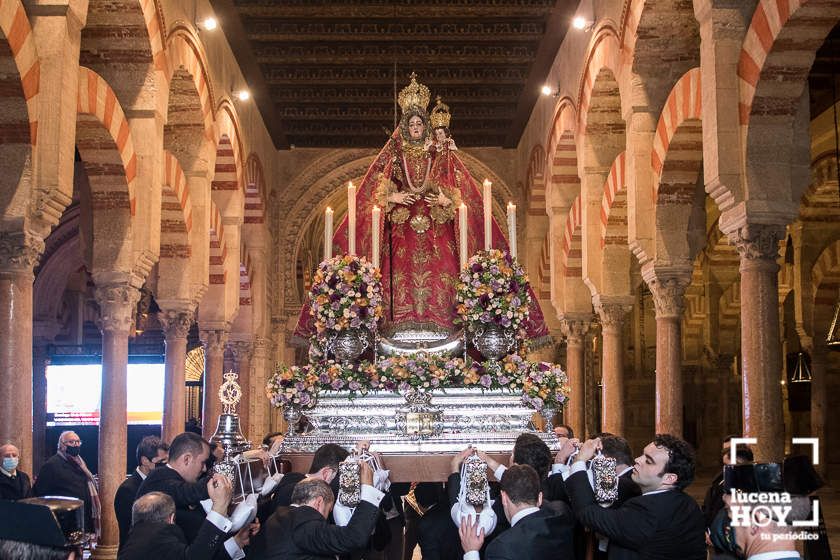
x,y
305,399
337,384
504,380
485,380
476,267
544,366
324,378
354,385
300,386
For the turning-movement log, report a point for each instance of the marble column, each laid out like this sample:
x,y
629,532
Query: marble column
x,y
668,300
243,351
761,357
612,314
176,325
819,401
19,253
117,307
261,369
574,329
214,361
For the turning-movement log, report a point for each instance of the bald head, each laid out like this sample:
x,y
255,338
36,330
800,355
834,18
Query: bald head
x,y
154,507
8,450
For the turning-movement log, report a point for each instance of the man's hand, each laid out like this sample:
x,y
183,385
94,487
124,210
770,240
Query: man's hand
x,y
459,458
365,473
402,198
491,462
588,449
220,491
243,537
362,445
567,447
471,537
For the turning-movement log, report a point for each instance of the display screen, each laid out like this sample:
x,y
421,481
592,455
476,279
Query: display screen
x,y
73,394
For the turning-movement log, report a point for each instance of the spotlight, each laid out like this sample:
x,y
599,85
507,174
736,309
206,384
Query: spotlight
x,y
546,90
243,95
579,22
210,23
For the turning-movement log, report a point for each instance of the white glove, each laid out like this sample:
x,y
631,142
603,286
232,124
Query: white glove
x,y
270,484
244,513
380,480
207,505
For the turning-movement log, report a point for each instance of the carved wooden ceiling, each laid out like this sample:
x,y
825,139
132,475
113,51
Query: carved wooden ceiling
x,y
323,72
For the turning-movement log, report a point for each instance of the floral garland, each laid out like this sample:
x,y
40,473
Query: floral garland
x,y
493,289
346,293
541,384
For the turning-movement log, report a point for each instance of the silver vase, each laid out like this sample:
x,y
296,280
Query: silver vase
x,y
348,345
493,341
292,415
548,413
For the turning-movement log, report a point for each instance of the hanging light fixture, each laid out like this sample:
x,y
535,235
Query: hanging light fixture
x,y
802,373
832,339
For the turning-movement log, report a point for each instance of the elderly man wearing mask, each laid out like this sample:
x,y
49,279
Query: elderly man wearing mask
x,y
14,483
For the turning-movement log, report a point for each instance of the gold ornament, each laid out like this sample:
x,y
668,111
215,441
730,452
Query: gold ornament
x,y
414,95
440,115
420,223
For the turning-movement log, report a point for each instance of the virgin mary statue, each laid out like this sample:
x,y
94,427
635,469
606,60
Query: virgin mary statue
x,y
419,182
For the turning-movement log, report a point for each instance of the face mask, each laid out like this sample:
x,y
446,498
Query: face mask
x,y
10,463
73,451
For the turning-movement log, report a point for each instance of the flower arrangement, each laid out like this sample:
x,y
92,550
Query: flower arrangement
x,y
545,386
541,384
292,386
346,293
493,289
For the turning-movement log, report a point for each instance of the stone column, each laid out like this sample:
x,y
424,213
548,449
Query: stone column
x,y
819,401
176,325
612,312
574,329
214,361
668,300
243,351
117,307
19,252
261,370
40,361
758,246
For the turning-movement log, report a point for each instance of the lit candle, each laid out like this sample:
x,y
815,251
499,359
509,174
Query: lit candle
x,y
375,237
488,215
511,216
328,233
462,224
351,218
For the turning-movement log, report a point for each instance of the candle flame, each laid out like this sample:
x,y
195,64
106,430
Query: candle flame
x,y
511,206
329,210
350,184
487,182
463,205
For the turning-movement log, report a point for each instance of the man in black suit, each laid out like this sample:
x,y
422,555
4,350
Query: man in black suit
x,y
66,474
324,466
14,483
301,531
179,479
535,534
154,534
664,522
151,452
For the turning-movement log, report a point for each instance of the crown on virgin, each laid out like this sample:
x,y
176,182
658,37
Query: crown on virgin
x,y
440,115
414,95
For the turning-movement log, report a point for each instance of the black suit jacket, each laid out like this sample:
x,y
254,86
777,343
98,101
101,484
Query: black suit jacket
x,y
123,500
301,533
15,487
665,525
163,541
189,515
60,477
541,535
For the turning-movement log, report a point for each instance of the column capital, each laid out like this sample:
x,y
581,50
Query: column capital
x,y
176,323
262,346
758,241
574,326
214,339
612,310
117,307
20,251
668,293
242,349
